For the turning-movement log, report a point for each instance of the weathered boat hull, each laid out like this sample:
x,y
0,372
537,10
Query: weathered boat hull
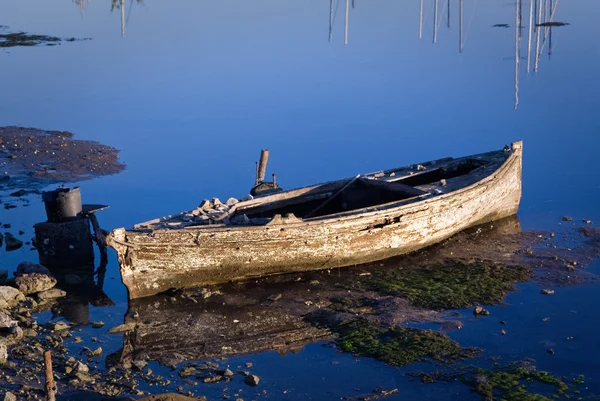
x,y
156,261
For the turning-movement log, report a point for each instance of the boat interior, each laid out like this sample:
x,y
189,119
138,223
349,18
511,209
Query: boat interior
x,y
409,184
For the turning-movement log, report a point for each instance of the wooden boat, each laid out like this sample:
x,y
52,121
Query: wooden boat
x,y
334,224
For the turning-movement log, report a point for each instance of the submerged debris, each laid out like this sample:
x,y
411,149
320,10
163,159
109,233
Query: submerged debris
x,y
500,26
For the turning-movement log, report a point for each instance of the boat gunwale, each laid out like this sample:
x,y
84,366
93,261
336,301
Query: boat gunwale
x,y
351,216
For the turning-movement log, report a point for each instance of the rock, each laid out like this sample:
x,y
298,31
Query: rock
x,y
247,198
52,293
96,352
274,297
589,222
123,328
3,276
567,218
30,267
212,379
73,279
546,292
97,325
226,373
57,326
231,201
205,205
8,396
502,322
479,311
80,367
10,296
503,332
12,243
3,354
216,202
139,364
34,282
251,380
550,351
248,365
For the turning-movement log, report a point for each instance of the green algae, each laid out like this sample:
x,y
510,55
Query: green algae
x,y
450,285
519,383
399,346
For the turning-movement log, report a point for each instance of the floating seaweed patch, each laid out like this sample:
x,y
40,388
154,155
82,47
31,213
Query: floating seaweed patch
x,y
14,39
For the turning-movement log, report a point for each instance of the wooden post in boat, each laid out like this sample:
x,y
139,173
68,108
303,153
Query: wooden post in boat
x,y
262,165
50,384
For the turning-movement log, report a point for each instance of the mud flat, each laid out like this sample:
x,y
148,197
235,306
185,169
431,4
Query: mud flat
x,y
31,158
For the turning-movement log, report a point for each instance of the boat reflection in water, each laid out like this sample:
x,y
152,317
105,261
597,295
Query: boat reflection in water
x,y
271,313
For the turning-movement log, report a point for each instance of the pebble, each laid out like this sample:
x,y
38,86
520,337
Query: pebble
x,y
479,311
97,325
251,380
567,218
546,292
550,351
274,297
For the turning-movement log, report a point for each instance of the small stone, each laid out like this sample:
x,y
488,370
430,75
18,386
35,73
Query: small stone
x,y
479,311
3,354
11,242
135,315
123,328
546,292
205,205
77,340
231,201
251,380
10,296
552,235
80,367
212,379
248,365
227,373
550,351
443,182
34,283
97,325
274,297
8,396
139,364
546,319
587,221
503,332
567,218
502,322
52,293
58,326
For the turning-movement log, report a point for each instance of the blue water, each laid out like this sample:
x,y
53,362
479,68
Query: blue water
x,y
190,91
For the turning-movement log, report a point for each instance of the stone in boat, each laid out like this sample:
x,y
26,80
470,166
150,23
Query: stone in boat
x,y
340,223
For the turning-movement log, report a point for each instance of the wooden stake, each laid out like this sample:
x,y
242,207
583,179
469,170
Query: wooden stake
x,y
262,165
50,384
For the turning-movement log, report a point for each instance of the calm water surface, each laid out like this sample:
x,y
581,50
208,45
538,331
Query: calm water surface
x,y
191,90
